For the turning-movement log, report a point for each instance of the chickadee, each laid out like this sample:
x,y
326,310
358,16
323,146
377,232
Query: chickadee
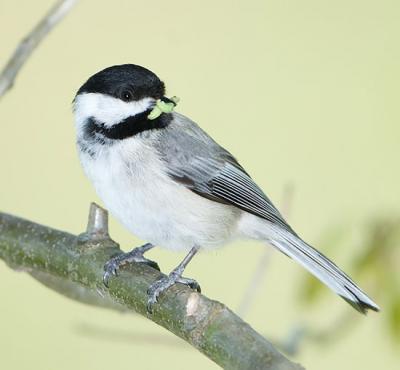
x,y
171,184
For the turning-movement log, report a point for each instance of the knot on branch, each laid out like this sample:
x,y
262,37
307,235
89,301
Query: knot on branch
x,y
97,229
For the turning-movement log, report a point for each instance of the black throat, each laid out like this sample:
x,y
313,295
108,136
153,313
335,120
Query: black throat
x,y
129,127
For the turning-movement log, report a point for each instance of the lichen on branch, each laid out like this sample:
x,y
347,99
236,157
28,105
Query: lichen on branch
x,y
73,266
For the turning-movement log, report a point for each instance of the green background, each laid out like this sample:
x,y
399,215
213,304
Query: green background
x,y
304,93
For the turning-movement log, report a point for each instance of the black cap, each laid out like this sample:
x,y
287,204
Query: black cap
x,y
127,82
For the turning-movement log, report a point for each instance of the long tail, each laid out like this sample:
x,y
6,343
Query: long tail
x,y
321,267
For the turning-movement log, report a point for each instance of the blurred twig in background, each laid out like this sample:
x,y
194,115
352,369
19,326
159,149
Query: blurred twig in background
x,y
207,325
31,41
257,278
377,265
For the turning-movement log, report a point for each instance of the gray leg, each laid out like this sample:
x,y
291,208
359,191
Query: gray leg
x,y
174,277
136,255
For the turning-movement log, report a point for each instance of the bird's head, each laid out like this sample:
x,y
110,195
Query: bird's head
x,y
116,98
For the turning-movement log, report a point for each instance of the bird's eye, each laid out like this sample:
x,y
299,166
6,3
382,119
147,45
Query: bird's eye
x,y
126,95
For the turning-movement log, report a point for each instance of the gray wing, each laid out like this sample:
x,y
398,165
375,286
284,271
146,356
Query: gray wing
x,y
195,160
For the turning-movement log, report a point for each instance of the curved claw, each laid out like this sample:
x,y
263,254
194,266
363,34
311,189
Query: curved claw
x,y
136,255
161,285
193,284
110,269
155,290
106,278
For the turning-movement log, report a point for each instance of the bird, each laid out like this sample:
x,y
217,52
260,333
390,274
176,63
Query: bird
x,y
169,183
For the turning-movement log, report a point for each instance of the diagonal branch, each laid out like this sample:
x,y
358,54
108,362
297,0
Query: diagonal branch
x,y
74,266
29,43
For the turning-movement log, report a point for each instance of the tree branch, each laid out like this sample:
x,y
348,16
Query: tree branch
x,y
29,43
74,266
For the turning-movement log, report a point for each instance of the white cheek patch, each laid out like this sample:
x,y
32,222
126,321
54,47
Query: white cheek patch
x,y
107,109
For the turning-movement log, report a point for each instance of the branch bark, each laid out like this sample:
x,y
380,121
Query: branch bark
x,y
73,266
31,41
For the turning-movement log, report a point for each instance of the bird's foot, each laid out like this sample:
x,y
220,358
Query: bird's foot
x,y
136,255
164,283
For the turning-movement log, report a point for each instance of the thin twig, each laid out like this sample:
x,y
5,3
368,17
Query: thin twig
x,y
31,41
255,283
207,325
257,277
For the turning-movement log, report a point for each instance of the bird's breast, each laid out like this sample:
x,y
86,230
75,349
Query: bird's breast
x,y
134,185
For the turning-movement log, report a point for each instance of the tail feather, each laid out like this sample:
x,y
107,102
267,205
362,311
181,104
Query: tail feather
x,y
322,268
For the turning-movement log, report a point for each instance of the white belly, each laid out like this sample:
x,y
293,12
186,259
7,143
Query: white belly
x,y
131,181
